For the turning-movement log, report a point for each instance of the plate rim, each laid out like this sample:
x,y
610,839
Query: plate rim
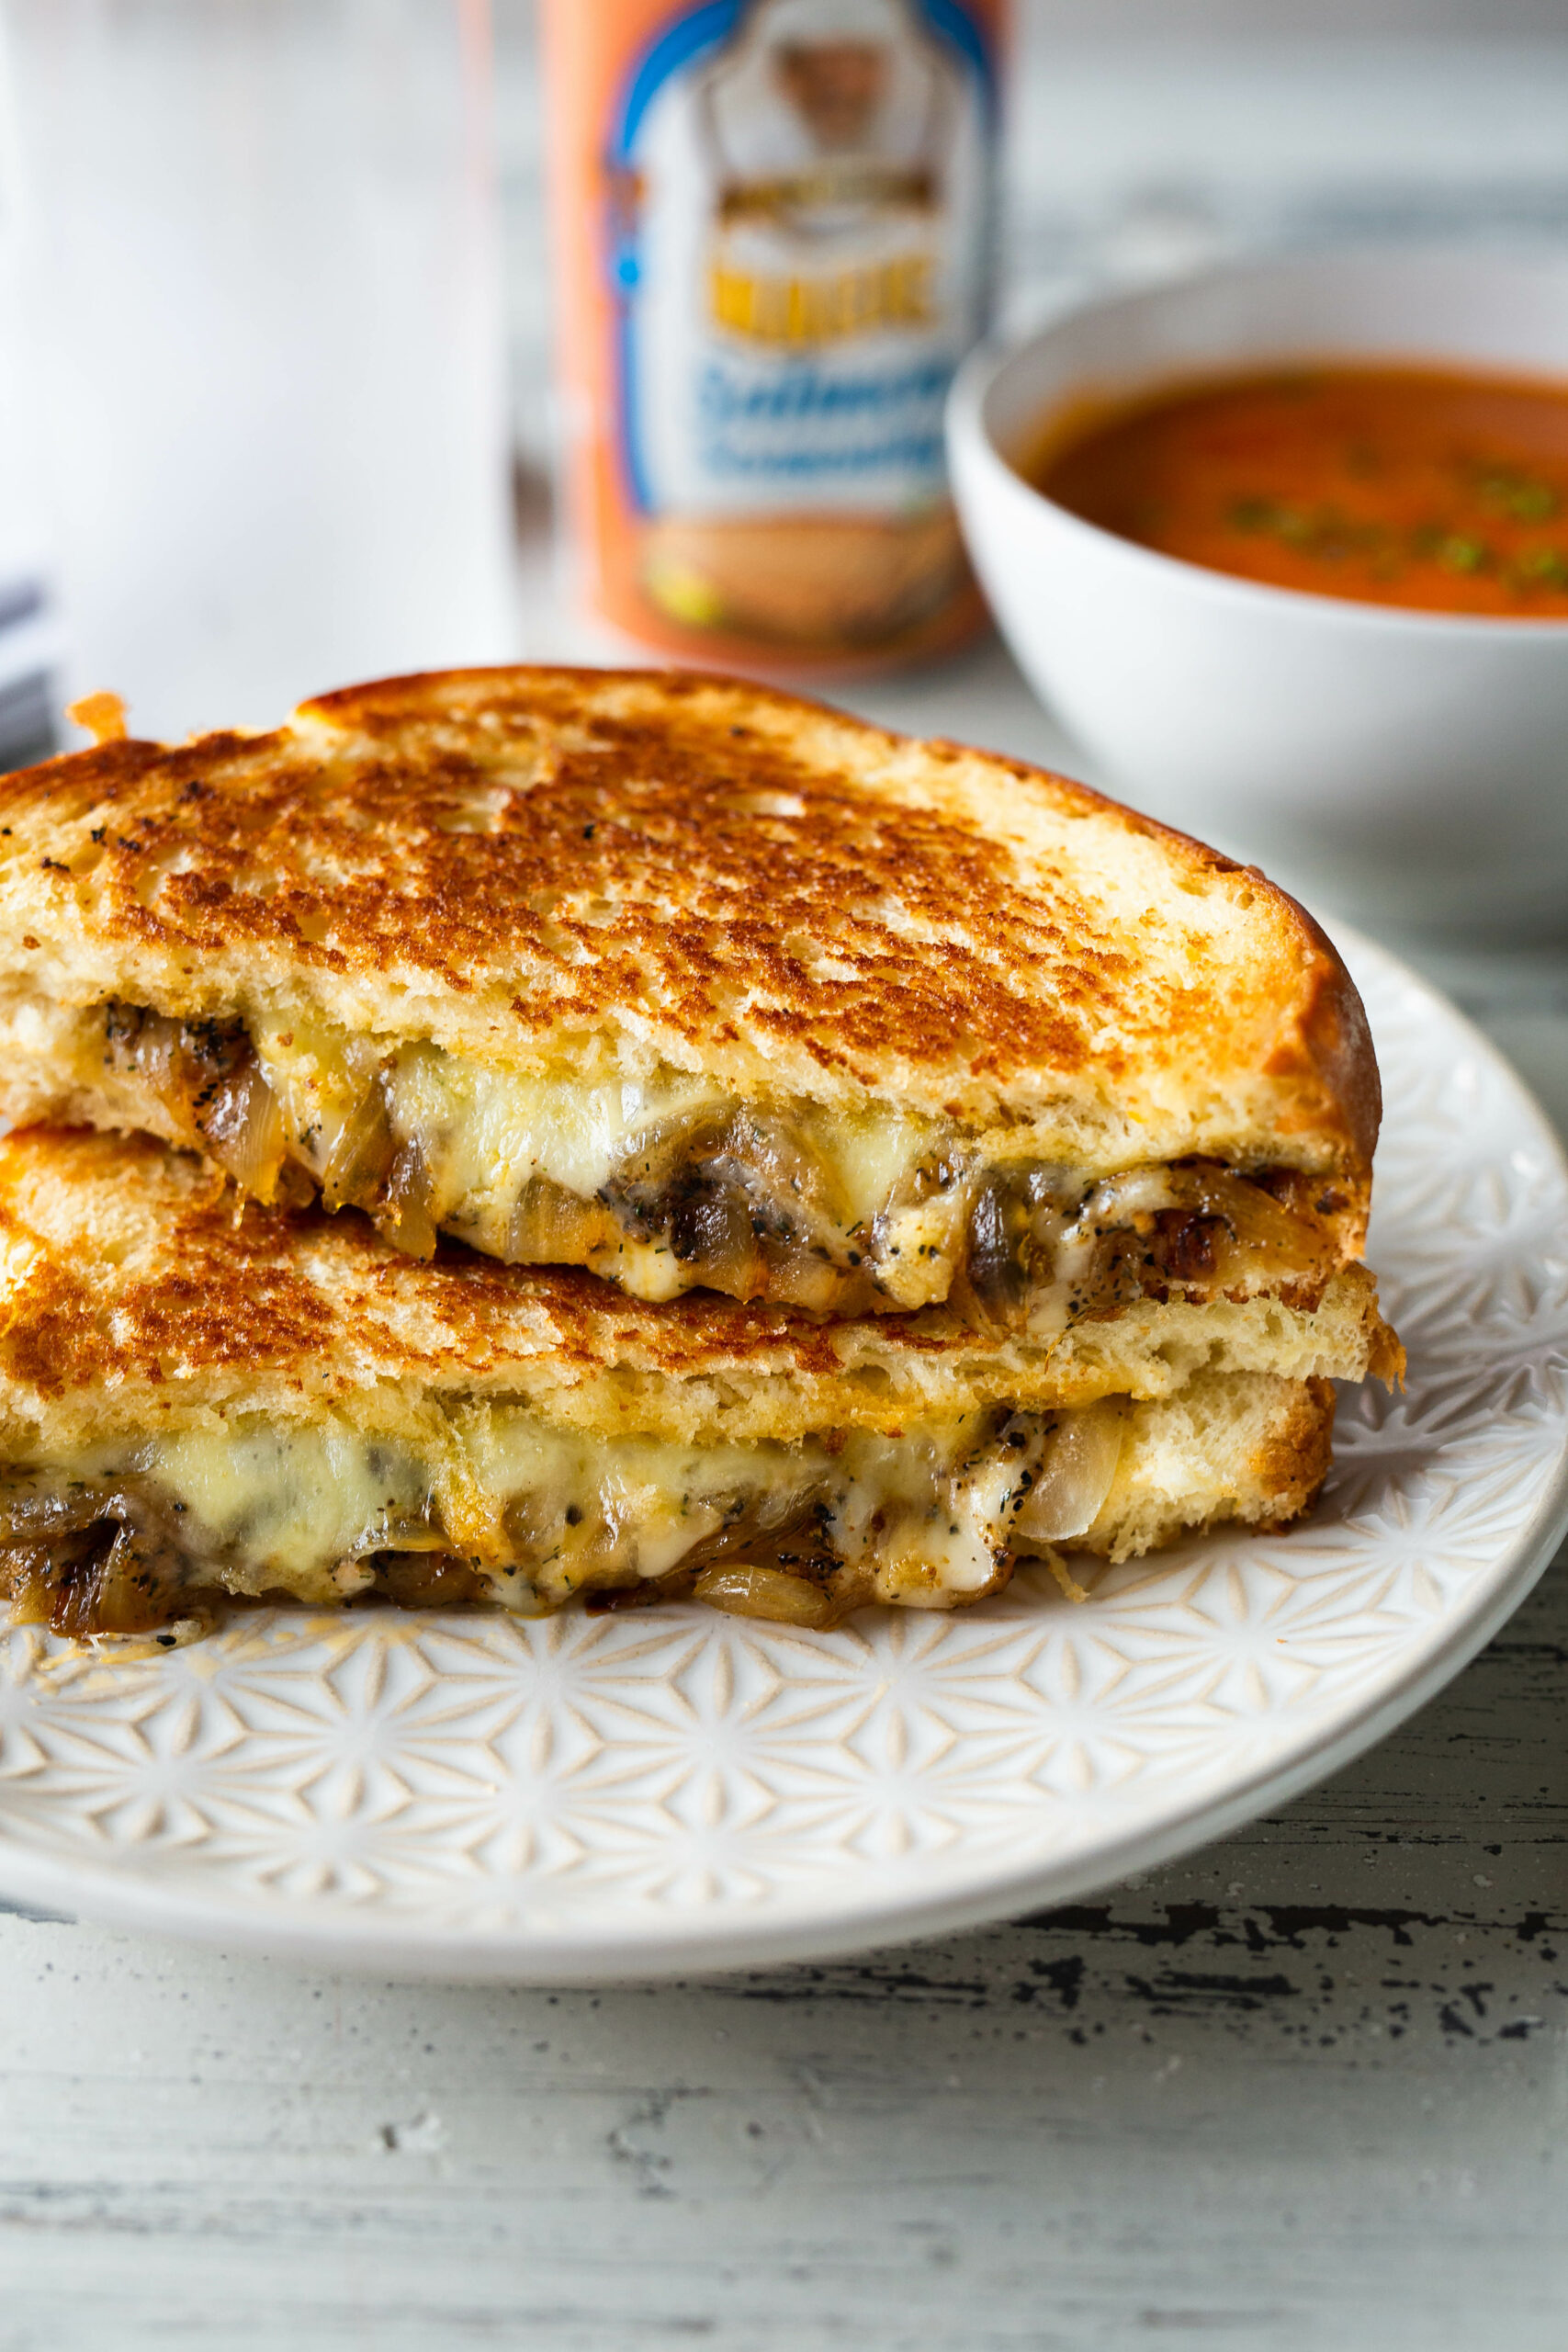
x,y
809,1925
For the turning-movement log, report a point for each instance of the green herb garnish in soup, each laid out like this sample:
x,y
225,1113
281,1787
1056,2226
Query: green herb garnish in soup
x,y
1438,490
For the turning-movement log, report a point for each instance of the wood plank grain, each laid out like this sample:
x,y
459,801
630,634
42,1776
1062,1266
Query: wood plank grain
x,y
1308,2090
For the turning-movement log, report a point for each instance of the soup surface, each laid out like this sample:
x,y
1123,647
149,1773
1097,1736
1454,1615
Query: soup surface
x,y
1391,485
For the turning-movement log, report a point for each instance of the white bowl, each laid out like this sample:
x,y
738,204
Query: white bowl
x,y
1405,766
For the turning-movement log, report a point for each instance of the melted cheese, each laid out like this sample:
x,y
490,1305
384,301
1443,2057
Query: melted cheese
x,y
485,1134
836,1212
544,1512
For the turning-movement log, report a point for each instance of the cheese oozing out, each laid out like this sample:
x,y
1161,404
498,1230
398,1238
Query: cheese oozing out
x,y
492,1502
670,1182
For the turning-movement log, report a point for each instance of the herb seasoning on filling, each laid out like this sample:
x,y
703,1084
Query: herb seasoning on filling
x,y
1438,490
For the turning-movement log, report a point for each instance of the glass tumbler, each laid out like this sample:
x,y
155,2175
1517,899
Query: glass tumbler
x,y
261,286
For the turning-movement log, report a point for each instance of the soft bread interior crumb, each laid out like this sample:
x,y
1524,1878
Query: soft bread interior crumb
x,y
1247,1447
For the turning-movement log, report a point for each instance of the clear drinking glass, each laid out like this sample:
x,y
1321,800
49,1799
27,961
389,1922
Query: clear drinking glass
x,y
263,284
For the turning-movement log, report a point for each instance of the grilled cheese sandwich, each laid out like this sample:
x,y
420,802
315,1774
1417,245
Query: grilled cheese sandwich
x,y
693,984
201,1396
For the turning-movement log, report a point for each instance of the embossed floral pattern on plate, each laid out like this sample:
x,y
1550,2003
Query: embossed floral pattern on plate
x,y
584,1798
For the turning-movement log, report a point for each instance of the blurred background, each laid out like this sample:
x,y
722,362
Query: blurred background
x,y
1150,136
257,243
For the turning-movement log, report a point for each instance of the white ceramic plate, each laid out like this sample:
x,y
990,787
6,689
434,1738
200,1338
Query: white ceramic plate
x,y
624,1796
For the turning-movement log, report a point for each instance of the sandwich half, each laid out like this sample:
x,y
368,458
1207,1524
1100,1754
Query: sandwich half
x,y
201,1396
694,984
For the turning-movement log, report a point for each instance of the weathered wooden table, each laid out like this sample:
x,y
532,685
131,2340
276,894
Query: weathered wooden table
x,y
1307,2093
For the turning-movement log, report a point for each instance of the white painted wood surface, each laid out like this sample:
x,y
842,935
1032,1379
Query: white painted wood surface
x,y
1310,2090
1307,2093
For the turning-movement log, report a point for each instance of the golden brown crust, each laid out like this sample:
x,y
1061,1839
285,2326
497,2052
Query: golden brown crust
x,y
540,866
135,1290
1336,1042
1293,1465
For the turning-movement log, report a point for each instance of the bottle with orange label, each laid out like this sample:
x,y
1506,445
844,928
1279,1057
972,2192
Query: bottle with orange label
x,y
771,226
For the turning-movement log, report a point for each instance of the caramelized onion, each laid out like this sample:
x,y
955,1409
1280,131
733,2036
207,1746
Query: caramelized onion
x,y
361,1160
550,1226
96,1559
405,1215
1254,1218
182,1064
33,1508
244,1131
1252,1239
802,1278
1199,1226
144,1046
779,1166
744,1589
1078,1470
427,1580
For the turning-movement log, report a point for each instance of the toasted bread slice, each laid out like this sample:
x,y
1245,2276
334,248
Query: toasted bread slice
x,y
693,983
201,1395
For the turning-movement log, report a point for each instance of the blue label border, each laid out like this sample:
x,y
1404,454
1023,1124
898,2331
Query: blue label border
x,y
684,41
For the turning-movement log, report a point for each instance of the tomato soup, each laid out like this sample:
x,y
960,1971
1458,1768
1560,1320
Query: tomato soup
x,y
1433,489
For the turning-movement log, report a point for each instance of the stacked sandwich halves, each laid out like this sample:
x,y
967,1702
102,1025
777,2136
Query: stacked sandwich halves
x,y
522,1133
